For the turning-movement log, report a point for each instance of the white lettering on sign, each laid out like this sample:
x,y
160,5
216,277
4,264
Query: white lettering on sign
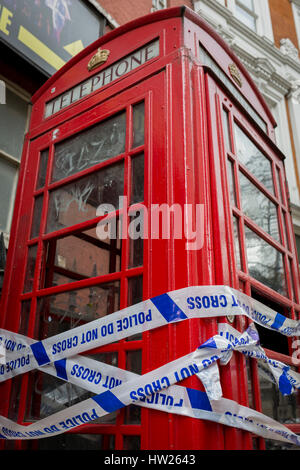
x,y
106,76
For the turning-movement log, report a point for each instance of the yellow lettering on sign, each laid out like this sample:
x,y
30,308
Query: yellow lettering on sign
x,y
37,46
5,20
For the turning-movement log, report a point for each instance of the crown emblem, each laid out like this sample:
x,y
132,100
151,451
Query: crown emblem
x,y
235,74
98,59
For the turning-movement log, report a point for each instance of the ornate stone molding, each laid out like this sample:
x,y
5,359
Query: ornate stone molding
x,y
288,48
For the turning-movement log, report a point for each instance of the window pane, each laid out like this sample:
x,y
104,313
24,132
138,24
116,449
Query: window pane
x,y
134,361
284,409
78,442
24,317
30,268
226,129
255,161
131,442
49,394
265,263
92,146
135,295
13,118
37,215
7,179
247,3
81,256
78,201
230,171
137,179
42,169
136,234
237,243
61,312
138,124
248,19
259,207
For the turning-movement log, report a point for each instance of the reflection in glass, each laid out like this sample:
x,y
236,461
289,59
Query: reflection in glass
x,y
37,214
230,171
50,394
24,317
265,263
237,243
259,207
78,201
255,161
138,124
30,268
136,234
134,361
137,179
78,442
80,256
61,312
282,408
131,442
92,146
135,295
226,129
42,169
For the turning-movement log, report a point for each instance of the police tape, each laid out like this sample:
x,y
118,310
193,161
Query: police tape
x,y
147,391
188,303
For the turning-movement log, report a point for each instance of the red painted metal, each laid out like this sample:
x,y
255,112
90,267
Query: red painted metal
x,y
185,163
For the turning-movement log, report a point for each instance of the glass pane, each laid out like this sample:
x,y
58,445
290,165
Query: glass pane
x,y
135,295
284,409
78,442
30,267
279,186
24,317
259,207
13,118
7,179
230,170
61,312
131,442
134,361
80,256
138,124
247,3
37,214
42,169
265,263
137,179
255,161
78,201
136,234
132,414
248,19
49,394
237,243
226,129
92,146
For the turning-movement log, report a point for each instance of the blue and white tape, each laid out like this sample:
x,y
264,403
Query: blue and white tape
x,y
191,302
157,389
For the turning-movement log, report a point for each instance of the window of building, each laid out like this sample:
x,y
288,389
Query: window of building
x,y
13,118
244,11
158,5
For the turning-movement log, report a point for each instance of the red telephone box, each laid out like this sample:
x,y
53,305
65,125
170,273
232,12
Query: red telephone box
x,y
158,111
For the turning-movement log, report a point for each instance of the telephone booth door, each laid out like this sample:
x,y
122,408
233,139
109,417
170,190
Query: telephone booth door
x,y
158,123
